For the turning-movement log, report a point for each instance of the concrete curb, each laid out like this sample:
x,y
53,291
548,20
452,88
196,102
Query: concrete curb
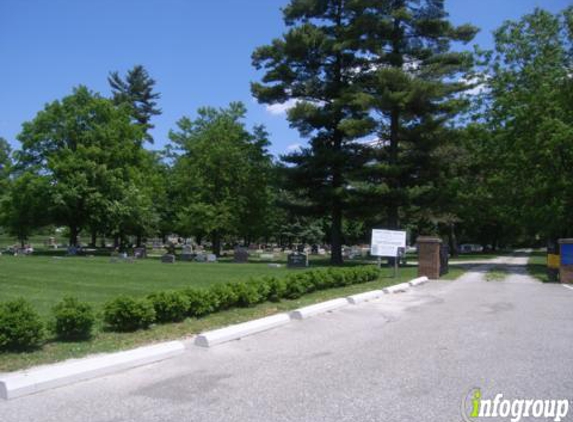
x,y
365,297
34,380
319,308
418,281
397,288
235,332
30,381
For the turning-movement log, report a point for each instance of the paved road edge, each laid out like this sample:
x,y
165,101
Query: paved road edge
x,y
33,380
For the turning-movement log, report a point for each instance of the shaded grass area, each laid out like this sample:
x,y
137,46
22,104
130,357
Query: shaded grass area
x,y
475,256
537,266
496,273
453,273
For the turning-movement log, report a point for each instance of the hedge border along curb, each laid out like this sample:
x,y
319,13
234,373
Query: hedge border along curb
x,y
248,293
238,331
34,380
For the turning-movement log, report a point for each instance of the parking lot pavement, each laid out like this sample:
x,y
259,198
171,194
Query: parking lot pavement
x,y
406,357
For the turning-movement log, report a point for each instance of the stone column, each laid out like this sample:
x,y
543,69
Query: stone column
x,y
566,264
429,257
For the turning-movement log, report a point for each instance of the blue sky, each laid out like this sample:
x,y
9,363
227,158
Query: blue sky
x,y
197,50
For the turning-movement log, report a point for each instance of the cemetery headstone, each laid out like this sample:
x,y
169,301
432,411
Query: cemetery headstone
x,y
297,260
170,248
140,253
168,258
241,255
187,253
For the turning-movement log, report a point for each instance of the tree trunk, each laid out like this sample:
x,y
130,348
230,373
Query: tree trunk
x,y
393,207
73,236
336,237
138,241
217,243
397,61
93,239
453,241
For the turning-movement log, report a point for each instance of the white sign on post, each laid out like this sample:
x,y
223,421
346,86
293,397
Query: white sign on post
x,y
387,242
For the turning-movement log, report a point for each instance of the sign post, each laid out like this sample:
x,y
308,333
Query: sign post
x,y
387,243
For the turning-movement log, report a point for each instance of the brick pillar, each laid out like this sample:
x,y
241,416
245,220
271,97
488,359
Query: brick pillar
x,y
566,264
429,257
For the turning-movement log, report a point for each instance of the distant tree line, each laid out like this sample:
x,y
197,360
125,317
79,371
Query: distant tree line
x,y
405,130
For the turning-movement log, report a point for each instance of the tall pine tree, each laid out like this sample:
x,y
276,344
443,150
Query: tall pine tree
x,y
412,84
136,90
314,65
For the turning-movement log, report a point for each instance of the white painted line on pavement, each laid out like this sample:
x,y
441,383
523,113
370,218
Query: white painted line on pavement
x,y
569,287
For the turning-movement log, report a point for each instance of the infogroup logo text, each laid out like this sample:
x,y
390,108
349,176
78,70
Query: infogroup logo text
x,y
475,407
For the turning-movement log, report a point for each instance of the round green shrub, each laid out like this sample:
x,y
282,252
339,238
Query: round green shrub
x,y
339,278
73,320
296,285
20,326
225,296
262,286
247,294
201,302
127,314
277,288
318,278
170,306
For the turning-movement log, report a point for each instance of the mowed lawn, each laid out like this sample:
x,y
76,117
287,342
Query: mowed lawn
x,y
45,280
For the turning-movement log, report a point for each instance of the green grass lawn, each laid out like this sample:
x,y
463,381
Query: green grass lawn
x,y
496,274
45,280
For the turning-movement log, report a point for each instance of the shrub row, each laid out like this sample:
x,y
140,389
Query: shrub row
x,y
125,314
21,327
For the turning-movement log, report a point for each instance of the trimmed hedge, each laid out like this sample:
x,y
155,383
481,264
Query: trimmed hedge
x,y
21,327
73,320
125,314
201,302
169,306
